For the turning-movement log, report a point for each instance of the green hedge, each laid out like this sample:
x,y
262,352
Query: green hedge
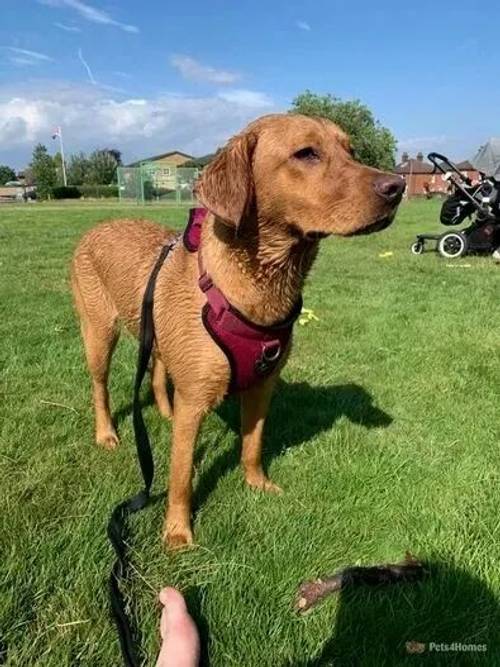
x,y
66,192
88,191
98,191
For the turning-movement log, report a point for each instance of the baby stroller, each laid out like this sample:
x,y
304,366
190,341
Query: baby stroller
x,y
478,201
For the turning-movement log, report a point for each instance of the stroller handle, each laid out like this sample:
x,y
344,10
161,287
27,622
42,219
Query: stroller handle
x,y
439,160
460,182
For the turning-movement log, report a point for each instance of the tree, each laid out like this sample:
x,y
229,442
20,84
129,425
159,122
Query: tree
x,y
44,171
77,169
59,168
6,174
116,154
373,144
102,166
200,162
27,176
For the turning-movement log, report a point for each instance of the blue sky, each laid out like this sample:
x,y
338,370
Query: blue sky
x,y
150,76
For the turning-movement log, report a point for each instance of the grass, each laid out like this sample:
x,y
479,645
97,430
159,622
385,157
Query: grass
x,y
384,434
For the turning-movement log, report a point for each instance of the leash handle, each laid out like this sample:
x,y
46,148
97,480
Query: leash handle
x,y
117,526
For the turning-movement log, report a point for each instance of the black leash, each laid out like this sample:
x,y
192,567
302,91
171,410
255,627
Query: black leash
x,y
117,526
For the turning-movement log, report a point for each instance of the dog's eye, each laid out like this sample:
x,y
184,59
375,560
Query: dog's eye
x,y
307,154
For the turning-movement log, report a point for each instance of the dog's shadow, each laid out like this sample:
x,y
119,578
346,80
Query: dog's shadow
x,y
298,413
451,617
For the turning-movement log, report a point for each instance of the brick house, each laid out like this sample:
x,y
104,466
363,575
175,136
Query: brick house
x,y
420,179
468,170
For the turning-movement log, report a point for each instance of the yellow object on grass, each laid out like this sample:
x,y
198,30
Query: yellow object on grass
x,y
307,315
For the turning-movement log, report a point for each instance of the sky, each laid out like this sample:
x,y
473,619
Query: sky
x,y
152,76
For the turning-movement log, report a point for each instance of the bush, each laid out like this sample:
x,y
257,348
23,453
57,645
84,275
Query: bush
x,y
373,144
98,191
66,192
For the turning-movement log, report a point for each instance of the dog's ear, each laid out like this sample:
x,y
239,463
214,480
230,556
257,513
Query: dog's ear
x,y
226,185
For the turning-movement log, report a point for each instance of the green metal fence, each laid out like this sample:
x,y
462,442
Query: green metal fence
x,y
153,182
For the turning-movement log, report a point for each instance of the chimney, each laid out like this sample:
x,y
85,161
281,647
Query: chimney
x,y
405,157
420,156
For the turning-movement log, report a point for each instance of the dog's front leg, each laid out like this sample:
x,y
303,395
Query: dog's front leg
x,y
187,420
254,406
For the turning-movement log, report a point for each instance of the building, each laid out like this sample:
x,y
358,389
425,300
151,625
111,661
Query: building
x,y
417,174
468,170
420,179
16,191
174,158
165,177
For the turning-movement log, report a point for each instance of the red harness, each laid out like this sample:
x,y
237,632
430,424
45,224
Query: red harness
x,y
253,351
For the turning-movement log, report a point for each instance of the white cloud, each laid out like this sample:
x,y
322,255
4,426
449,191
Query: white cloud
x,y
246,98
93,117
92,79
303,25
24,56
417,143
66,28
191,69
90,13
87,67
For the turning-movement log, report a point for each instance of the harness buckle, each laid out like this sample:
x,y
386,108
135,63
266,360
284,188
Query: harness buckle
x,y
271,352
205,282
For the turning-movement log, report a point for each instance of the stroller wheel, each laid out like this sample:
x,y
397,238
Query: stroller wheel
x,y
452,245
417,248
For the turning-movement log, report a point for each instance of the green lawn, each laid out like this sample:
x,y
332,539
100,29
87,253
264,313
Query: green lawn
x,y
384,435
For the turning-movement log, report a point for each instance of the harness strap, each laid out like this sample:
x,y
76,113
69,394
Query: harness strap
x,y
117,526
214,296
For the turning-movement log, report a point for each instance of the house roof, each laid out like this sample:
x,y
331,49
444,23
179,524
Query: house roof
x,y
414,166
162,156
465,166
201,161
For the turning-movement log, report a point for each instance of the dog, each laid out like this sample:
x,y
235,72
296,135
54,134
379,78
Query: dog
x,y
271,193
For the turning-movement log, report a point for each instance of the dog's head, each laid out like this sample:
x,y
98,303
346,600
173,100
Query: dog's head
x,y
298,172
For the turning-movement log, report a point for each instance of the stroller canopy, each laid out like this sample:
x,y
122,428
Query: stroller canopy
x,y
487,159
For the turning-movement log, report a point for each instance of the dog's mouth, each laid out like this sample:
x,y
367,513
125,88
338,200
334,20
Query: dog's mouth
x,y
377,226
316,236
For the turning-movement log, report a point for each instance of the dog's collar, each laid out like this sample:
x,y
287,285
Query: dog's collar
x,y
253,350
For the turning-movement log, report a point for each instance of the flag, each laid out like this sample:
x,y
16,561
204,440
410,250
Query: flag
x,y
57,133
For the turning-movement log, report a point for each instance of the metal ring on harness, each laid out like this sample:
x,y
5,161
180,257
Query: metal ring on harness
x,y
271,352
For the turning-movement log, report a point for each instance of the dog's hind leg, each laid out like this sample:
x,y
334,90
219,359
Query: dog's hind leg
x,y
98,324
254,407
159,384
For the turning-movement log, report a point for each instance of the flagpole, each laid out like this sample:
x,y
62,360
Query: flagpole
x,y
65,181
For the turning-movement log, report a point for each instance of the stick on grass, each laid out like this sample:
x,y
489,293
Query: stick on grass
x,y
311,592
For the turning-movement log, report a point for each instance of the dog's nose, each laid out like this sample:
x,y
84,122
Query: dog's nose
x,y
391,188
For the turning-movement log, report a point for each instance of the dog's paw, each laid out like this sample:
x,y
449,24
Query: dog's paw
x,y
107,439
262,483
165,410
177,537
